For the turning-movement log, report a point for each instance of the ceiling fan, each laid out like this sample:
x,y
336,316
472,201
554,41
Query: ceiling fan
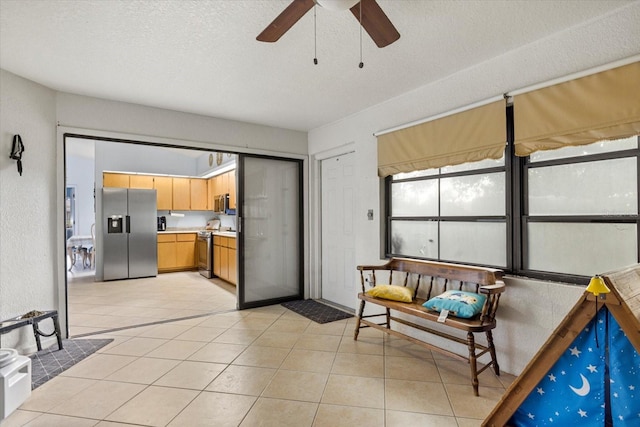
x,y
367,12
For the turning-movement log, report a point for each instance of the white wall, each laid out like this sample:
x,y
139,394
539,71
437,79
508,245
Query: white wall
x,y
80,174
28,220
530,309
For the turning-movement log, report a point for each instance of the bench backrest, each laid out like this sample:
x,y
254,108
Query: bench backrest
x,y
438,277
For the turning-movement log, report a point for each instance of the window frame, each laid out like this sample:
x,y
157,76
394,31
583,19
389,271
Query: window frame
x,y
516,216
389,181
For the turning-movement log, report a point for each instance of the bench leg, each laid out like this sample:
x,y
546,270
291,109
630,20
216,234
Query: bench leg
x,y
472,361
360,313
492,351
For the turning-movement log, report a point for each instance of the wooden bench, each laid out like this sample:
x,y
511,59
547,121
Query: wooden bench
x,y
437,277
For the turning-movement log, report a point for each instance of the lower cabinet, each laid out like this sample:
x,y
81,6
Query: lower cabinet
x,y
224,258
176,252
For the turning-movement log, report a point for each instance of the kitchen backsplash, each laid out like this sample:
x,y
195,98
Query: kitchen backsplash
x,y
227,221
197,219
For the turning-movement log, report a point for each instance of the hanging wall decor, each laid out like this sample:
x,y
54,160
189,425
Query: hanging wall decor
x,y
16,151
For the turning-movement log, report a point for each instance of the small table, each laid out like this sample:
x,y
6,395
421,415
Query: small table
x,y
19,321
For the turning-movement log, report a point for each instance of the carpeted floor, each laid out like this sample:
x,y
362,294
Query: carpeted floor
x,y
316,311
50,362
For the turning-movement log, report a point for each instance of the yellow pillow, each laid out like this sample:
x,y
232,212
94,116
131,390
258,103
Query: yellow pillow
x,y
392,292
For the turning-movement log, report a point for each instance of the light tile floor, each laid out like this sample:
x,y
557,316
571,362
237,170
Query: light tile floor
x,y
260,367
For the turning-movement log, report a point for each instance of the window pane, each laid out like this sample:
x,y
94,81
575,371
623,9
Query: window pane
x,y
582,249
607,187
414,198
416,174
415,238
482,164
475,242
595,148
475,195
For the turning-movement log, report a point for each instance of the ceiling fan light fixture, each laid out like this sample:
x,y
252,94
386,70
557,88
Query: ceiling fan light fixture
x,y
337,5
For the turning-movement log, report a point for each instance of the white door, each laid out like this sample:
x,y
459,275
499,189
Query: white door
x,y
339,283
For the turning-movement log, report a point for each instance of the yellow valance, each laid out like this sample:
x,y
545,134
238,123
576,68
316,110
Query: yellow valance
x,y
597,107
468,136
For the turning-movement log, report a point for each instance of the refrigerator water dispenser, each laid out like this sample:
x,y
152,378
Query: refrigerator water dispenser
x,y
114,224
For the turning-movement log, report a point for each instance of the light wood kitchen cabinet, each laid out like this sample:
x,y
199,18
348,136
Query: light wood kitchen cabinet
x,y
210,198
225,184
166,252
119,180
186,250
176,251
224,258
181,194
164,190
232,270
231,184
141,181
199,193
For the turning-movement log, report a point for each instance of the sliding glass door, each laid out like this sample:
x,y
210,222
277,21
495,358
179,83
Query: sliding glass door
x,y
270,233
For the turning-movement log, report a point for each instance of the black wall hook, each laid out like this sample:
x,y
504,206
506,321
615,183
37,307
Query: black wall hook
x,y
16,151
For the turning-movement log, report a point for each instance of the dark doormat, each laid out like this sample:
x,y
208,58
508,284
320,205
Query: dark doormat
x,y
50,362
316,311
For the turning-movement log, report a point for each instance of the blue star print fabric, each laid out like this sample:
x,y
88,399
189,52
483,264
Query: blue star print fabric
x,y
572,392
624,369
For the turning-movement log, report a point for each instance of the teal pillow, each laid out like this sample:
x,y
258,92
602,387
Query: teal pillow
x,y
459,303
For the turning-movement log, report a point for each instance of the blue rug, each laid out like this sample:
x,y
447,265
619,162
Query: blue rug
x,y
50,362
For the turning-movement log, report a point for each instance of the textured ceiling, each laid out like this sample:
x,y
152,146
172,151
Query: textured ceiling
x,y
202,57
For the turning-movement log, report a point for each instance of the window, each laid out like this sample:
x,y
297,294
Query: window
x,y
455,214
581,210
570,213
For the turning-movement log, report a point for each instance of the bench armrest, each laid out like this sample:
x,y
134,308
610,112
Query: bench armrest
x,y
496,288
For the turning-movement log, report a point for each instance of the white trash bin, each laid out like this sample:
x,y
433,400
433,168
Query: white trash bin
x,y
15,380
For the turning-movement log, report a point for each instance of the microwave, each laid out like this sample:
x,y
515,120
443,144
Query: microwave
x,y
221,203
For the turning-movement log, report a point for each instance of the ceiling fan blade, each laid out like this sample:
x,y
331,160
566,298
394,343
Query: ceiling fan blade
x,y
285,20
376,22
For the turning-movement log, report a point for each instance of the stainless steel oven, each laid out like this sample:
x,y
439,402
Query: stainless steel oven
x,y
205,253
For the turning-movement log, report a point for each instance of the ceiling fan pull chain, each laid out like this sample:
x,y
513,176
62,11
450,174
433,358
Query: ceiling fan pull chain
x,y
361,63
315,36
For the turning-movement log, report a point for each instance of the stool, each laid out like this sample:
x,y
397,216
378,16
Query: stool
x,y
33,318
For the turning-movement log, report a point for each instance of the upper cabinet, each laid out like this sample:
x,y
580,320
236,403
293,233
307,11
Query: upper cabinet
x,y
164,188
224,184
119,180
181,194
231,179
199,193
140,181
173,193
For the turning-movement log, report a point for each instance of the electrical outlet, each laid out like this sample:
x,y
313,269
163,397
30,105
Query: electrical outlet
x,y
370,214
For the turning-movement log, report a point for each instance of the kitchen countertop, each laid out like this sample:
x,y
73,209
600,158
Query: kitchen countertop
x,y
224,233
195,230
182,230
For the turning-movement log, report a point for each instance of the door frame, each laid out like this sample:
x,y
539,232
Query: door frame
x,y
241,304
65,131
315,215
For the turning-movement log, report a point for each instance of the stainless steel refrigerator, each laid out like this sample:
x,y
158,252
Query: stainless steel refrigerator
x,y
130,242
